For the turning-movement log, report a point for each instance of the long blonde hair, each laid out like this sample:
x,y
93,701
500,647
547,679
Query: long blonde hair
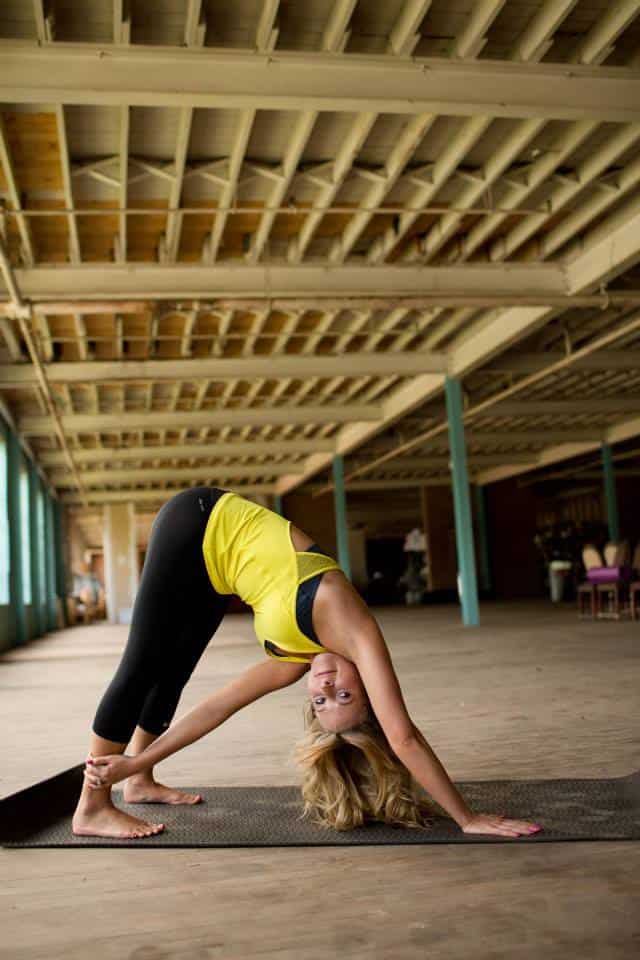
x,y
352,777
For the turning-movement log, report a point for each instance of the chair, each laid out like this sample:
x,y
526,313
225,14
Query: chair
x,y
611,593
634,586
591,559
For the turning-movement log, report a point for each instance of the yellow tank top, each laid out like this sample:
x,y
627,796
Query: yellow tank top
x,y
248,551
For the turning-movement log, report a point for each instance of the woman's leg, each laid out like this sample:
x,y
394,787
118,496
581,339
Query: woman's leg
x,y
174,562
162,701
95,814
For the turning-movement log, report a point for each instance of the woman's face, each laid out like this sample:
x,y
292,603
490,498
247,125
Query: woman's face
x,y
336,692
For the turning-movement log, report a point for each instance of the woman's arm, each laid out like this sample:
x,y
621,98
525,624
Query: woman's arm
x,y
382,686
341,615
262,678
347,625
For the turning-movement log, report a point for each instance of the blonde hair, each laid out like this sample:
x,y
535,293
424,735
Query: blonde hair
x,y
352,777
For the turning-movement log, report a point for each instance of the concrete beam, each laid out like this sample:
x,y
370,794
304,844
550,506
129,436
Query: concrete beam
x,y
151,281
188,451
556,453
153,496
217,473
586,405
183,420
532,362
238,368
104,74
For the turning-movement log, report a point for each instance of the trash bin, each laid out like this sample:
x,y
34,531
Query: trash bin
x,y
558,570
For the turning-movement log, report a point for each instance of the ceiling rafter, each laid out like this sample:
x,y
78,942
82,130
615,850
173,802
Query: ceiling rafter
x,y
72,224
593,165
27,249
333,40
603,258
194,34
529,47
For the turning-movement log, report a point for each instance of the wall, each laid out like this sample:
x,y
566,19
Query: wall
x,y
440,535
516,570
629,509
371,514
315,516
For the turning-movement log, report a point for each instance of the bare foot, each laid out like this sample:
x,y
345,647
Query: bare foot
x,y
108,821
148,791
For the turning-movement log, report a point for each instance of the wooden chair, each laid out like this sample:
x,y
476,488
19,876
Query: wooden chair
x,y
634,586
586,590
611,597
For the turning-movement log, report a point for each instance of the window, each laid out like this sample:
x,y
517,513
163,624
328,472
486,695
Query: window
x,y
4,524
41,548
25,535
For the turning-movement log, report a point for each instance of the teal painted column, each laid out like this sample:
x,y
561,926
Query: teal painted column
x,y
484,563
340,504
36,611
50,555
61,571
277,504
610,493
462,505
16,592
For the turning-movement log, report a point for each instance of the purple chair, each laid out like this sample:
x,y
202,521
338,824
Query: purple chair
x,y
611,581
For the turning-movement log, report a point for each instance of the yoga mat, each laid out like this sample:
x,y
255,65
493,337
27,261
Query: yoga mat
x,y
40,816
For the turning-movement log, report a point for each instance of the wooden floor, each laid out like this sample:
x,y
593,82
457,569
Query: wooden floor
x,y
532,693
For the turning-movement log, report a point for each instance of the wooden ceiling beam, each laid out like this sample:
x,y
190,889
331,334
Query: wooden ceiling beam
x,y
166,420
407,363
143,75
109,281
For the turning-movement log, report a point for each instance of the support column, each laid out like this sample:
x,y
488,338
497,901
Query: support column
x,y
340,502
120,560
484,563
610,497
462,505
16,592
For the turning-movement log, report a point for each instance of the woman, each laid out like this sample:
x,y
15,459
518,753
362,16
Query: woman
x,y
363,757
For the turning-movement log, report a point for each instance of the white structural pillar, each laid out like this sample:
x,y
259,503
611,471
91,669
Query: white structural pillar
x,y
120,560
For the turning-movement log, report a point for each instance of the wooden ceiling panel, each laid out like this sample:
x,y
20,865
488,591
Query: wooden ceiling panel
x,y
145,230
50,234
97,233
34,149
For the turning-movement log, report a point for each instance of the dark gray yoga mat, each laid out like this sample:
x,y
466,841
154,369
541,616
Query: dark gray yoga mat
x,y
40,816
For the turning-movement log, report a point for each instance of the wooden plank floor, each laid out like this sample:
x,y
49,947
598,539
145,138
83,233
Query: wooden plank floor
x,y
532,693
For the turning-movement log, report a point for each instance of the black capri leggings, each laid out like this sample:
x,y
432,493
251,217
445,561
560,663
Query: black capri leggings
x,y
175,614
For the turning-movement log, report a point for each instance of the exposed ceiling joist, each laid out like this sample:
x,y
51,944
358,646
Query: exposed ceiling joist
x,y
625,430
531,362
602,259
578,405
162,76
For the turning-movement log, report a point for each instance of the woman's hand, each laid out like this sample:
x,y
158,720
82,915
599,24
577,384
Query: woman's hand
x,y
496,823
102,772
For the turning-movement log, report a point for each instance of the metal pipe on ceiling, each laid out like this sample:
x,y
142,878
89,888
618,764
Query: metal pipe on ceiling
x,y
319,304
